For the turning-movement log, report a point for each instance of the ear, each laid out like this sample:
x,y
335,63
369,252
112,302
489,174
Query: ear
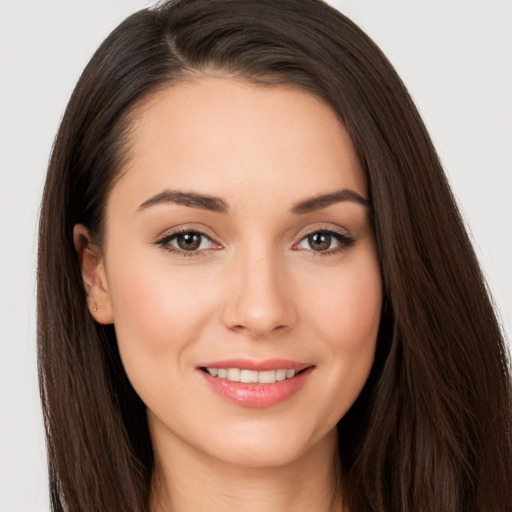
x,y
92,266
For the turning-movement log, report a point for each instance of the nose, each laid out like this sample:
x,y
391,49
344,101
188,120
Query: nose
x,y
260,301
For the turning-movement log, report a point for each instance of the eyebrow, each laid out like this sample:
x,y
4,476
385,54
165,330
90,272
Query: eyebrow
x,y
216,204
191,199
325,200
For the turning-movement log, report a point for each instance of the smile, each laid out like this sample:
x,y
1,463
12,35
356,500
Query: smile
x,y
251,376
256,384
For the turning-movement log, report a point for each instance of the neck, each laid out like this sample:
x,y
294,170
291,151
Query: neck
x,y
189,481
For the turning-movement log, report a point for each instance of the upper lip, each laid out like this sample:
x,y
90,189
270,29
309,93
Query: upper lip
x,y
259,366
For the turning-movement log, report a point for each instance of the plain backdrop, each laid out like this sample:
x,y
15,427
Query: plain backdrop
x,y
455,56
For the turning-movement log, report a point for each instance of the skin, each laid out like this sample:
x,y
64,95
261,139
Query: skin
x,y
258,289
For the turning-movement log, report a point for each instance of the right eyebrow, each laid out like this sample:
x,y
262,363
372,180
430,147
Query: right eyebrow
x,y
191,199
326,200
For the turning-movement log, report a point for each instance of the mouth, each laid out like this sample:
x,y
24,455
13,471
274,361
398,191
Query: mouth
x,y
256,384
252,376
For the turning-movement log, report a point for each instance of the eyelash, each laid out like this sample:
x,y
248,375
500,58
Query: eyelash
x,y
166,240
345,242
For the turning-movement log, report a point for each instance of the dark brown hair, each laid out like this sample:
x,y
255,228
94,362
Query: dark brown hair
x,y
431,430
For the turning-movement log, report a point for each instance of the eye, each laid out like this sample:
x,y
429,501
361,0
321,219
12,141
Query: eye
x,y
325,241
187,242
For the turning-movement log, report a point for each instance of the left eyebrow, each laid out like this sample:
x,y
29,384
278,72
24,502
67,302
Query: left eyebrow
x,y
325,200
190,199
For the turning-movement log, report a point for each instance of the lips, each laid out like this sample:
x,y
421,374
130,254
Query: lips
x,y
250,383
252,376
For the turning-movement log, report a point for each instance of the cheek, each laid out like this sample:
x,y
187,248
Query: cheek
x,y
159,311
347,310
346,317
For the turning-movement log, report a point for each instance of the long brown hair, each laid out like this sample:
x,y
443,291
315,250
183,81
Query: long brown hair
x,y
431,430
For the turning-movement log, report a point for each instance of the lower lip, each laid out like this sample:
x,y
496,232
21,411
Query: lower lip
x,y
257,395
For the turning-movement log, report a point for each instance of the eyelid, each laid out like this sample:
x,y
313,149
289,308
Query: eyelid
x,y
322,228
345,239
325,228
165,238
185,228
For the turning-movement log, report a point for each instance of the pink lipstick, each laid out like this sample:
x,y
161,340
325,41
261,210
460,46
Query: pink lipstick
x,y
251,383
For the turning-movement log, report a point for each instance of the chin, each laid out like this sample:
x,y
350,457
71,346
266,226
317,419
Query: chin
x,y
269,445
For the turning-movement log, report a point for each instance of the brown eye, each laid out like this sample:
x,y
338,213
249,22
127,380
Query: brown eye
x,y
325,242
319,241
189,241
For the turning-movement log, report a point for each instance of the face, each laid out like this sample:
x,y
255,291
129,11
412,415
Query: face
x,y
222,263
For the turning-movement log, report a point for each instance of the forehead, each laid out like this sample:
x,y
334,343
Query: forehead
x,y
231,138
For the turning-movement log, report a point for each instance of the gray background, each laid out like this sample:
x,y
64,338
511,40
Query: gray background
x,y
455,57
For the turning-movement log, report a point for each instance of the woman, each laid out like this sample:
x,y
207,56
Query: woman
x,y
255,289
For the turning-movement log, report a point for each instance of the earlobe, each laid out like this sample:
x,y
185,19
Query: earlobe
x,y
94,277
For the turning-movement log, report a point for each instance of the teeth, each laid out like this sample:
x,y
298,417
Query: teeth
x,y
250,376
267,377
290,374
280,375
233,374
